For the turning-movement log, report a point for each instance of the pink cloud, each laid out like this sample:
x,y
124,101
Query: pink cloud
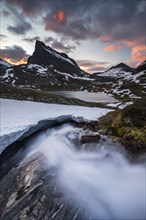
x,y
138,51
112,47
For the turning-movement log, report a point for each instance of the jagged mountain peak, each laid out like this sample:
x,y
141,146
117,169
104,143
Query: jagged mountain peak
x,y
123,67
39,43
45,55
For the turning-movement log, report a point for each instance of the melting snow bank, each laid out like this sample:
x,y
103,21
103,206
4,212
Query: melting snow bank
x,y
21,118
100,181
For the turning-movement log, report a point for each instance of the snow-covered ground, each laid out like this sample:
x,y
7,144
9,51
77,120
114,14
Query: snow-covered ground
x,y
17,117
4,63
115,72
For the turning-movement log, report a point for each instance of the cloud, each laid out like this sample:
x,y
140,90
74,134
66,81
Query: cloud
x,y
111,48
60,16
29,8
121,19
138,54
16,62
138,51
21,26
20,29
15,53
2,36
83,20
60,44
112,21
49,39
97,69
3,39
92,66
31,40
6,13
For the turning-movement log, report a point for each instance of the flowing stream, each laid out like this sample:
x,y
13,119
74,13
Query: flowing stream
x,y
101,181
96,177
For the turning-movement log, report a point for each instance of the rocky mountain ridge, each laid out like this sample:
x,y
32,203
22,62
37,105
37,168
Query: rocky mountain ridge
x,y
45,55
49,70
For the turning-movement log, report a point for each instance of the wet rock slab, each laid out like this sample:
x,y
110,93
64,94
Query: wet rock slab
x,y
29,192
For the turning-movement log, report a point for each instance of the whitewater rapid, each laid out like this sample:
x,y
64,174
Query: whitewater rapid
x,y
100,181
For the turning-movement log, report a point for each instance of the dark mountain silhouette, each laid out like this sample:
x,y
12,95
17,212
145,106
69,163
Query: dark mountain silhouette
x,y
44,55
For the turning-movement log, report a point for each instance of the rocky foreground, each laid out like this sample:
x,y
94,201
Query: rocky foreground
x,y
28,192
29,188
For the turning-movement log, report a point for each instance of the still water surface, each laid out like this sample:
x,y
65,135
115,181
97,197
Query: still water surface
x,y
87,96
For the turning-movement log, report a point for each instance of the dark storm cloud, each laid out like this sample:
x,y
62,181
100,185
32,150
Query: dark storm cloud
x,y
30,7
109,20
21,26
120,20
34,7
31,40
20,29
60,44
15,52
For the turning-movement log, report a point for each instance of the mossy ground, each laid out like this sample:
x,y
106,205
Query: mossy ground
x,y
128,125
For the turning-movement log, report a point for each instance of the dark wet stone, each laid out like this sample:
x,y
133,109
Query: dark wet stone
x,y
29,192
90,138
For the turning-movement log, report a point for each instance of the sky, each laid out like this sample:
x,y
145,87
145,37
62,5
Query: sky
x,y
96,33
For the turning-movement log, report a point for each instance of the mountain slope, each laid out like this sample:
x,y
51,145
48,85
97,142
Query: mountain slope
x,y
4,64
124,82
117,70
44,78
48,70
140,68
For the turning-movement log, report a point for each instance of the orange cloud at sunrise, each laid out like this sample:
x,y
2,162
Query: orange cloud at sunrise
x,y
60,16
112,48
15,62
138,53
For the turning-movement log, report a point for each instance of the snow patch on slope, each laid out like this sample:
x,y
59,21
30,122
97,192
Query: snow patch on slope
x,y
4,63
59,56
17,117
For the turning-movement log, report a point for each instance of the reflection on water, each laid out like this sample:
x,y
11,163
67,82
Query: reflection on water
x,y
87,96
